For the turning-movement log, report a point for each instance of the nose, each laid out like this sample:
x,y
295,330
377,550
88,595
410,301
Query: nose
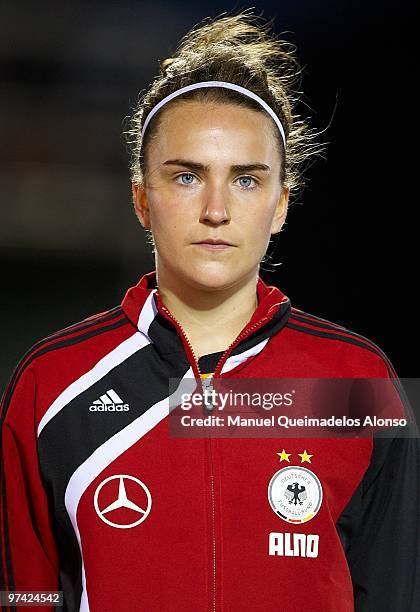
x,y
215,207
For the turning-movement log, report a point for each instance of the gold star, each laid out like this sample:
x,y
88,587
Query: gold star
x,y
305,457
284,456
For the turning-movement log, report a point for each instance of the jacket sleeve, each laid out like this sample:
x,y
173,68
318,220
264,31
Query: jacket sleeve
x,y
29,554
380,527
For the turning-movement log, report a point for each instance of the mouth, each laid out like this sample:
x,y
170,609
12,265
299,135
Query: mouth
x,y
214,245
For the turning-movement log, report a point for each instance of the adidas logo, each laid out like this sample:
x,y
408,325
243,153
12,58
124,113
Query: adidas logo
x,y
109,402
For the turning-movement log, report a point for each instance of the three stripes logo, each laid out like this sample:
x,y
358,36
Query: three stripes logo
x,y
109,402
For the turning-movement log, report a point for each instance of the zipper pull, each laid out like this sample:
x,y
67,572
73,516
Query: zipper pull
x,y
207,390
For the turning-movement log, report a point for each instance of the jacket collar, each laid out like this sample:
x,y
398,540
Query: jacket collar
x,y
142,304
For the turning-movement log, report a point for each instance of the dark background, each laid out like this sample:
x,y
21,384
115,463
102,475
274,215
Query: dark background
x,y
70,244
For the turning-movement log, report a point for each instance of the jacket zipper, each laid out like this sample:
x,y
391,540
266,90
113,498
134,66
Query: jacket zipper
x,y
177,324
207,384
241,336
213,519
238,339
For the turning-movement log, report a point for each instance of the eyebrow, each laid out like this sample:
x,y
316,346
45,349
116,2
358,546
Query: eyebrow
x,y
201,167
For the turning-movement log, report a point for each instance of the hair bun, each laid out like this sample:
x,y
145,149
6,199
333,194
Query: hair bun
x,y
164,64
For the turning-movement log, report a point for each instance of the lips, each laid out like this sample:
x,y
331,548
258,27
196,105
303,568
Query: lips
x,y
214,245
214,242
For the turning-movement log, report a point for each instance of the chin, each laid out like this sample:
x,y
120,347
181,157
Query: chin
x,y
213,278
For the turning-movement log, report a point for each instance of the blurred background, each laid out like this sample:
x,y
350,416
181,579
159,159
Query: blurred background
x,y
70,245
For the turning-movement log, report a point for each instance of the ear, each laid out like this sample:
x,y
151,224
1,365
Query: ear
x,y
141,205
281,211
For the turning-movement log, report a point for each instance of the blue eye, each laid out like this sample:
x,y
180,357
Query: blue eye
x,y
186,174
187,178
247,178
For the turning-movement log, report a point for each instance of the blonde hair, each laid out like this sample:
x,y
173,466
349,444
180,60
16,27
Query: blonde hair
x,y
237,49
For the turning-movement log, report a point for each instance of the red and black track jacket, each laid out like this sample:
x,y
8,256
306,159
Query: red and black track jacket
x,y
99,501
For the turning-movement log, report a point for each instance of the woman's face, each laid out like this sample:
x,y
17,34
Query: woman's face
x,y
212,173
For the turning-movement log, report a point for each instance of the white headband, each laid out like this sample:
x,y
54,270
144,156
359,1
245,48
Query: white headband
x,y
225,85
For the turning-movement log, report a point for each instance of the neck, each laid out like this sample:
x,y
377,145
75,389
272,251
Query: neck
x,y
211,318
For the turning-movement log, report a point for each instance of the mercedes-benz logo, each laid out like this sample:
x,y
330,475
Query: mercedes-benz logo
x,y
143,496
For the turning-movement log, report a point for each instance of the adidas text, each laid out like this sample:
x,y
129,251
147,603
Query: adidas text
x,y
109,402
109,407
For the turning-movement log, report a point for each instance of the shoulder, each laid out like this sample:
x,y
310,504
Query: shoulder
x,y
92,328
64,355
339,340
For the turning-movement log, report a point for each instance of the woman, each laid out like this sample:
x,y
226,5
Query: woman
x,y
98,499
